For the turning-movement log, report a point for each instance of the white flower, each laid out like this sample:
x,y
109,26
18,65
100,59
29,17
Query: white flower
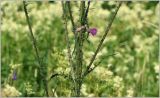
x,y
117,81
156,68
84,90
103,73
10,91
14,66
29,89
130,92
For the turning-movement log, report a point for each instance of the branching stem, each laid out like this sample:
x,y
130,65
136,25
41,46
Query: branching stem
x,y
36,49
101,42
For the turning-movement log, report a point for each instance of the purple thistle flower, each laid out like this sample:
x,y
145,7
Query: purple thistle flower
x,y
93,31
14,77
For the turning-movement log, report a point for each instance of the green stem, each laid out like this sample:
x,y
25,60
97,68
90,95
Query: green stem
x,y
70,13
66,33
68,44
73,24
102,40
41,67
79,56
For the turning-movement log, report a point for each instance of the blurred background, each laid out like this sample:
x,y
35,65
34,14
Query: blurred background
x,y
133,71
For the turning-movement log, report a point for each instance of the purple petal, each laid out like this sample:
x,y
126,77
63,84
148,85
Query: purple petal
x,y
93,31
14,77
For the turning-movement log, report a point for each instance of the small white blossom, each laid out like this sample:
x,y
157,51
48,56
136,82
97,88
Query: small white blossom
x,y
130,92
10,91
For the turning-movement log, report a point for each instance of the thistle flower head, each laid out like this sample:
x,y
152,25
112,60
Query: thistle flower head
x,y
93,31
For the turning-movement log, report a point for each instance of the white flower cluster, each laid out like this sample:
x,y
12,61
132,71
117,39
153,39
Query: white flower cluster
x,y
14,66
10,91
118,85
108,81
117,80
157,70
144,46
84,89
29,89
103,73
130,92
136,16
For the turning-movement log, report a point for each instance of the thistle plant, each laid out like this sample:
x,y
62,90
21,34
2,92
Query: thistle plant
x,y
75,58
76,61
79,48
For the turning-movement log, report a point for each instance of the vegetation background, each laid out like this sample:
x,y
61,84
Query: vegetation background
x,y
133,71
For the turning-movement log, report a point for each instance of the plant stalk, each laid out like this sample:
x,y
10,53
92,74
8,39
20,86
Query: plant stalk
x,y
102,40
79,55
41,66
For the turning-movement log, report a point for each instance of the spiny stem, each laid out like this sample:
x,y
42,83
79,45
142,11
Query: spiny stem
x,y
87,10
67,38
91,69
86,13
82,10
36,49
59,74
66,34
73,24
103,38
68,44
70,13
77,68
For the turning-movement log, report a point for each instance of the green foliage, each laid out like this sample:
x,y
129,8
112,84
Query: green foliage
x,y
133,37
